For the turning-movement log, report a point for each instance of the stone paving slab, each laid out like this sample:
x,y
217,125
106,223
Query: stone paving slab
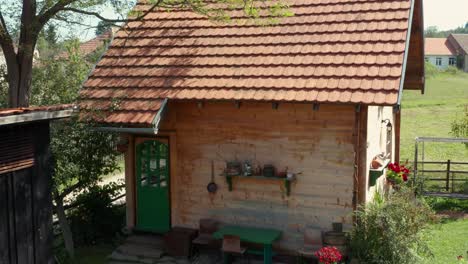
x,y
149,249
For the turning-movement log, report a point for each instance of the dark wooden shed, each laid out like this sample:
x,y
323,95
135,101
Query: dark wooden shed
x,y
25,184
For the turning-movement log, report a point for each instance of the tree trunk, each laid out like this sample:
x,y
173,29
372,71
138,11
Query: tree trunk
x,y
65,226
20,79
25,81
13,84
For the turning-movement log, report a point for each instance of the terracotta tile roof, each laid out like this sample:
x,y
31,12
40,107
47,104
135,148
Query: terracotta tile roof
x,y
334,51
438,46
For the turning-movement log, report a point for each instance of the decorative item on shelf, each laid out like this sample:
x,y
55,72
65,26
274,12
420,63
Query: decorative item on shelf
x,y
378,165
283,174
378,161
269,170
233,168
248,170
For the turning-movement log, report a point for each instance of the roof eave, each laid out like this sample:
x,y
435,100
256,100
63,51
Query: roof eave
x,y
153,130
35,116
405,58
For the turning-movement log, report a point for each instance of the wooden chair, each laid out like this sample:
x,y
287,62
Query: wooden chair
x,y
205,238
313,241
232,246
205,233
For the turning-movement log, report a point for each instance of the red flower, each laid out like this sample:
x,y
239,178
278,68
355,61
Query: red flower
x,y
405,177
328,255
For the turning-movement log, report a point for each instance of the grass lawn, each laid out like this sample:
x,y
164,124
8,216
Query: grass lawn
x,y
431,115
448,240
94,254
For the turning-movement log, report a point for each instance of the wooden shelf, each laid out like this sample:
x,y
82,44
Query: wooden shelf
x,y
286,181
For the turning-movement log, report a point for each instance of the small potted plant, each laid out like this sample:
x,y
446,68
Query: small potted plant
x,y
397,174
329,255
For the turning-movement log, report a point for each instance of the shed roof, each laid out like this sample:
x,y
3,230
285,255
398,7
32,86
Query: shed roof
x,y
330,51
9,116
462,41
438,46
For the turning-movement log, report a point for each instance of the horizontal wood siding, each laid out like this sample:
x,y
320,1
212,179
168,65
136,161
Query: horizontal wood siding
x,y
317,143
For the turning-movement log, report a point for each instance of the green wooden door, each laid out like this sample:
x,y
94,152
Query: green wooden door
x,y
152,175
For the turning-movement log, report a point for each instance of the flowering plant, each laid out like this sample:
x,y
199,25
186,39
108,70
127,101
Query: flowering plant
x,y
328,255
396,173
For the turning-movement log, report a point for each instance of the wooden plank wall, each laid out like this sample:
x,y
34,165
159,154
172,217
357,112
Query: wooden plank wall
x,y
318,143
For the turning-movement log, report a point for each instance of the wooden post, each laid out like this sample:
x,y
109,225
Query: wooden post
x,y
130,183
360,148
447,183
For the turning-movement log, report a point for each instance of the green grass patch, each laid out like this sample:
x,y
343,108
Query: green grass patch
x,y
447,204
431,115
448,240
96,254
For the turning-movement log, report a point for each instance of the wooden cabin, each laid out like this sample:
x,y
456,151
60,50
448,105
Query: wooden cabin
x,y
26,184
317,95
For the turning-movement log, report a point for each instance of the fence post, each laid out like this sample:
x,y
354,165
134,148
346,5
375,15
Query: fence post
x,y
447,184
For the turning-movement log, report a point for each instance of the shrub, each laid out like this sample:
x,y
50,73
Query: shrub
x,y
452,70
390,232
96,218
447,204
430,70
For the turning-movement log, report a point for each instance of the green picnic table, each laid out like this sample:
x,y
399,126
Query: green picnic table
x,y
262,236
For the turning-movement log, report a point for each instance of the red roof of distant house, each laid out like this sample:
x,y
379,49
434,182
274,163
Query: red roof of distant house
x,y
330,51
438,46
91,45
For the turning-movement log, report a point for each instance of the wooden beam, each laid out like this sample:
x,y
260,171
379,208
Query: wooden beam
x,y
130,187
360,148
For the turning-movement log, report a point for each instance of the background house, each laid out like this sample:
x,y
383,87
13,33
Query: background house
x,y
450,51
459,43
317,93
439,52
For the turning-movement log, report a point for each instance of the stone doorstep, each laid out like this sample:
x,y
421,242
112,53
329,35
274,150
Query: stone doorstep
x,y
141,251
149,249
116,256
150,240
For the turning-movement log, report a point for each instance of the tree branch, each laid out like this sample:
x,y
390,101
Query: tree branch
x,y
97,15
5,36
69,190
51,12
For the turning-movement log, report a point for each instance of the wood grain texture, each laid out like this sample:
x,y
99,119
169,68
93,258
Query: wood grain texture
x,y
130,183
317,143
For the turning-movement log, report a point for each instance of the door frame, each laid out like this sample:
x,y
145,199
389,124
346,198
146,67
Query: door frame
x,y
138,140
